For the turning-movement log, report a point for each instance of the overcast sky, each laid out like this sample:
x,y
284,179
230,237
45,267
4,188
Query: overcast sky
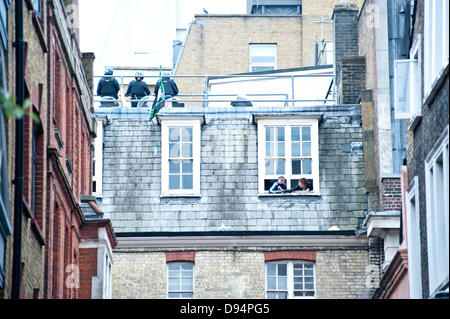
x,y
96,17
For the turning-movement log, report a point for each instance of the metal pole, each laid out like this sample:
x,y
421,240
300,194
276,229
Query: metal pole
x,y
18,180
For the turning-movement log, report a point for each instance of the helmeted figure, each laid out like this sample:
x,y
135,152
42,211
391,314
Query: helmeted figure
x,y
108,88
137,89
167,87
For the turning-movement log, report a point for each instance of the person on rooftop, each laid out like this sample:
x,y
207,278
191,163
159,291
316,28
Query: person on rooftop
x,y
137,89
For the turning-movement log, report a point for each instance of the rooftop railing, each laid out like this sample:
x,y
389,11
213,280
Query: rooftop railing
x,y
280,95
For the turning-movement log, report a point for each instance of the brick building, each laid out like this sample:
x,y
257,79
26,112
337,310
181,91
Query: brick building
x,y
56,228
257,41
424,103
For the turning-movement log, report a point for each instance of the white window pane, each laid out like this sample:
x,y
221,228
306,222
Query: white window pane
x,y
295,134
188,166
263,50
187,134
270,167
280,134
281,167
296,149
174,167
187,150
271,283
401,89
306,149
186,284
271,269
263,59
282,283
282,269
306,133
174,181
281,151
188,181
270,134
307,166
270,149
174,134
174,150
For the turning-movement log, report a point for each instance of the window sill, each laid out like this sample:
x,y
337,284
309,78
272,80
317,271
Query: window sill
x,y
413,122
180,195
295,194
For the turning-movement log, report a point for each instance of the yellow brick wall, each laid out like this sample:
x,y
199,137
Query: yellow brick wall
x,y
220,44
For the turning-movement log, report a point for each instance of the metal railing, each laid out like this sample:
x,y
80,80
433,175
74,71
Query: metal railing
x,y
287,98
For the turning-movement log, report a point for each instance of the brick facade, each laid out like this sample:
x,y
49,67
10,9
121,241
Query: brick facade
x,y
422,138
57,157
236,274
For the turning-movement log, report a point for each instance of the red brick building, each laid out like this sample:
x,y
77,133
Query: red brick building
x,y
59,216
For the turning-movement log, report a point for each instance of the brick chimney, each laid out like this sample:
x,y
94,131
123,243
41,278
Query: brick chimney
x,y
88,59
349,67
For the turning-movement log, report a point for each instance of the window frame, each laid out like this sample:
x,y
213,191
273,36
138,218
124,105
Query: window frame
x,y
183,122
435,35
290,277
312,122
252,64
437,240
167,279
413,239
414,84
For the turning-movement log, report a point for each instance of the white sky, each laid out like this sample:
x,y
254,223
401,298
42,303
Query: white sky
x,y
97,30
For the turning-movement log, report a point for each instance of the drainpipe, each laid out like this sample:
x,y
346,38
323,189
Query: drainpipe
x,y
18,180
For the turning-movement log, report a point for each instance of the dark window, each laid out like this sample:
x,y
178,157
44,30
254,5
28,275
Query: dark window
x,y
278,10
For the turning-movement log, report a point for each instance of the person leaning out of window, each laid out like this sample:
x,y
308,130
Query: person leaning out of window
x,y
301,186
279,186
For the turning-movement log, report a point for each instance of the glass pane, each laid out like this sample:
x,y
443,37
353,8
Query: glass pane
x,y
307,167
298,285
295,134
306,133
282,295
187,134
263,59
174,181
174,150
271,269
309,286
174,284
296,149
271,295
187,150
262,50
280,133
282,283
186,267
281,167
187,166
309,280
270,152
186,284
270,134
188,181
271,283
174,167
187,295
296,167
306,149
174,295
174,267
174,134
280,149
309,272
262,68
270,167
309,294
282,269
